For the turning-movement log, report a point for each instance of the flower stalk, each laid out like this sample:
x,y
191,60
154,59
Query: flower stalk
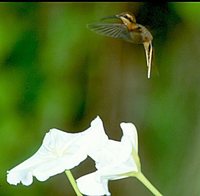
x,y
73,182
147,183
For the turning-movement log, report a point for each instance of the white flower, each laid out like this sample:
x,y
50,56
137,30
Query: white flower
x,y
60,151
114,160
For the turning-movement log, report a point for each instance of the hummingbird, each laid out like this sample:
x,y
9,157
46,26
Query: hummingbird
x,y
127,30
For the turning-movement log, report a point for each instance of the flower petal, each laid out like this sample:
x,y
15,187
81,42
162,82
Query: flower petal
x,y
114,159
95,138
118,171
91,184
130,133
59,151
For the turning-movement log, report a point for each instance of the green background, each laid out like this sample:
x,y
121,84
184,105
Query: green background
x,y
54,72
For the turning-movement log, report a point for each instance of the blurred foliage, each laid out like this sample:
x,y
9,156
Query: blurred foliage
x,y
57,73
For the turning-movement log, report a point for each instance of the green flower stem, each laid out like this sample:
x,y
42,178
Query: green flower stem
x,y
73,182
147,183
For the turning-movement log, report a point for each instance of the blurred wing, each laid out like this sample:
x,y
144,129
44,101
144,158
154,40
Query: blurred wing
x,y
111,30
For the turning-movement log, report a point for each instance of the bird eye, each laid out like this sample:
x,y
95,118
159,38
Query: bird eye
x,y
126,17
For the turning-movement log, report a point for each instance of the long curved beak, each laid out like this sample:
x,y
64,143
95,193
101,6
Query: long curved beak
x,y
110,17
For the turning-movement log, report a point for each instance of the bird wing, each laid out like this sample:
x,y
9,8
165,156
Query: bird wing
x,y
111,30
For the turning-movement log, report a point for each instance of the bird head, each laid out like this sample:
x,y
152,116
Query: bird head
x,y
127,18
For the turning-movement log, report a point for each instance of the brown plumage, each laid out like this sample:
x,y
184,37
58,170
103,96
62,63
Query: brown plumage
x,y
129,31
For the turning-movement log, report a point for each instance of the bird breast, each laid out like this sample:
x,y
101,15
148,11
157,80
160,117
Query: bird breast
x,y
140,35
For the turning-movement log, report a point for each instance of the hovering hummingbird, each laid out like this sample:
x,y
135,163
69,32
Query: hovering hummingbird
x,y
129,31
